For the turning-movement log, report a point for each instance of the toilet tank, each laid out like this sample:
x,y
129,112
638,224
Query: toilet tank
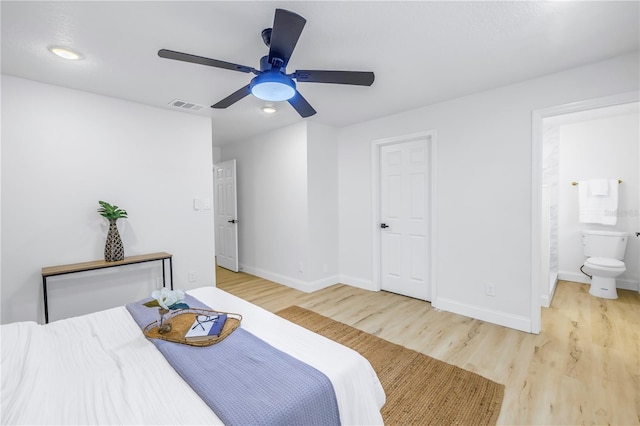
x,y
609,244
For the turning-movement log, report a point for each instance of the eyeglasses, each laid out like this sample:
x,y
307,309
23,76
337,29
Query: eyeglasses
x,y
201,319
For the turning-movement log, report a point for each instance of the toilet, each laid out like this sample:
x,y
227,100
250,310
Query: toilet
x,y
604,251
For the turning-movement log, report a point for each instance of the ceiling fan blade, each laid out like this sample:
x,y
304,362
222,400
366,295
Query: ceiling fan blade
x,y
186,57
287,27
301,105
359,78
233,98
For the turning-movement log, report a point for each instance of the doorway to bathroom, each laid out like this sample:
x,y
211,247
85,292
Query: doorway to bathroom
x,y
584,140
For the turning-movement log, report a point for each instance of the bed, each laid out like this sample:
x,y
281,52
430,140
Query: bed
x,y
100,369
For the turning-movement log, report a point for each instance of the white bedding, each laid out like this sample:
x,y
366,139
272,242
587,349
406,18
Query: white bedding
x,y
100,369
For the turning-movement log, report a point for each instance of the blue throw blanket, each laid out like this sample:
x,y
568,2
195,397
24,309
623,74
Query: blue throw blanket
x,y
246,381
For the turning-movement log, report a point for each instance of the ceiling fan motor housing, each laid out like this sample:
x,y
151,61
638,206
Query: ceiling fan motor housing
x,y
266,36
274,63
265,65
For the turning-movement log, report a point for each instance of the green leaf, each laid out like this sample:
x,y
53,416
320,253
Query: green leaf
x,y
152,304
111,212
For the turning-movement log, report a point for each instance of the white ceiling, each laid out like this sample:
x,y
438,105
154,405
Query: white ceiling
x,y
422,52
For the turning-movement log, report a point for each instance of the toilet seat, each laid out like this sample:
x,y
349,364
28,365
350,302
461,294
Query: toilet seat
x,y
605,262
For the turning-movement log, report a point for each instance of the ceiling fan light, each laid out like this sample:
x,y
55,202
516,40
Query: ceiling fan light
x,y
273,86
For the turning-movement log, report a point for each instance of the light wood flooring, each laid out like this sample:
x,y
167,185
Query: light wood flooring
x,y
583,368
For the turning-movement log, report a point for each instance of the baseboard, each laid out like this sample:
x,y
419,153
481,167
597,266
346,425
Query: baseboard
x,y
356,282
581,278
517,322
305,286
322,283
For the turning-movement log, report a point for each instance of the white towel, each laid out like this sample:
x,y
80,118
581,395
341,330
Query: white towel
x,y
599,186
598,201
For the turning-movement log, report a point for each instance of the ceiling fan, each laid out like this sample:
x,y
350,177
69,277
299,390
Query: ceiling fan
x,y
271,82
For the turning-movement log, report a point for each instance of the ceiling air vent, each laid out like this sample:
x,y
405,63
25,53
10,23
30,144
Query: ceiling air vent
x,y
186,105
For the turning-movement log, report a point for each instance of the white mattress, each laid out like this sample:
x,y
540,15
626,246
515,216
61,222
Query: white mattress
x,y
100,369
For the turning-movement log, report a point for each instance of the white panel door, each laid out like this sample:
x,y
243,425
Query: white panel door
x,y
404,213
226,220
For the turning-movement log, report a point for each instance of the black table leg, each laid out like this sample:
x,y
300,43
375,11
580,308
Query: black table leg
x,y
164,281
170,270
46,306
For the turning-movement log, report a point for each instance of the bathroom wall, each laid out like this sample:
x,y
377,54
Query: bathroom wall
x,y
600,147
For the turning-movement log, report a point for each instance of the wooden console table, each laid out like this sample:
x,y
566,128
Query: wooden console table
x,y
51,271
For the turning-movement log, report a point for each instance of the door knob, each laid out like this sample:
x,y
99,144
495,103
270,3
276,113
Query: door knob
x,y
232,221
384,225
637,234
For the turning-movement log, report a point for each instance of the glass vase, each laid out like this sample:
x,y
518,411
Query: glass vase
x,y
164,321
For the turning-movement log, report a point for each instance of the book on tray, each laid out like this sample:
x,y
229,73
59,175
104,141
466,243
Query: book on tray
x,y
205,327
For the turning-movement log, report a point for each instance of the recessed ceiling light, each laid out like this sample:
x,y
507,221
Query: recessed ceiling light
x,y
65,52
269,109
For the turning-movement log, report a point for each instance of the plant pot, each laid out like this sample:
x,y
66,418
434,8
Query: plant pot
x,y
113,249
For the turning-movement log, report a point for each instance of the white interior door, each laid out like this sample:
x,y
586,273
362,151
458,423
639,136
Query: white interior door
x,y
226,219
405,218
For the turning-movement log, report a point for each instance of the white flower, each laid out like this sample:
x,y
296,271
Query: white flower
x,y
167,298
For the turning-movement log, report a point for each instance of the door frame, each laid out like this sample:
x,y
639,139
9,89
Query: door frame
x,y
376,146
537,118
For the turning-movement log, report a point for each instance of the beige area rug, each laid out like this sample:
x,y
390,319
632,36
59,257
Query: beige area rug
x,y
420,390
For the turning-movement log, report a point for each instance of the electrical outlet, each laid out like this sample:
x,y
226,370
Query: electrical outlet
x,y
490,289
191,277
300,267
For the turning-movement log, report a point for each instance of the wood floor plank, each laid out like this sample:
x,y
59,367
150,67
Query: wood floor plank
x,y
583,368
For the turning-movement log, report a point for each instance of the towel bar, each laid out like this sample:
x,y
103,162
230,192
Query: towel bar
x,y
575,183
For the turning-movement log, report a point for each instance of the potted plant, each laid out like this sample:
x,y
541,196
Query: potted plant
x,y
113,249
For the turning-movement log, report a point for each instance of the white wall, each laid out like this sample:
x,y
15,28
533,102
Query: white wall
x,y
322,173
600,148
483,205
62,151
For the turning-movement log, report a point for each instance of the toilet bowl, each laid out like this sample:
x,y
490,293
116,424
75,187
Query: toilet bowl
x,y
604,251
604,272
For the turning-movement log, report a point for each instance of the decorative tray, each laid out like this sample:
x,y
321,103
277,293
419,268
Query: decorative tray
x,y
181,323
